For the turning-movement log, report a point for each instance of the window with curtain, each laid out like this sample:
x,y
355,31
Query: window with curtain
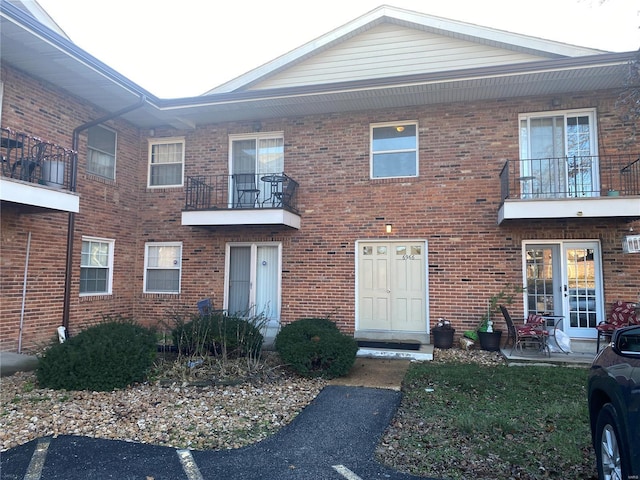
x,y
101,152
394,150
96,266
259,155
166,162
162,267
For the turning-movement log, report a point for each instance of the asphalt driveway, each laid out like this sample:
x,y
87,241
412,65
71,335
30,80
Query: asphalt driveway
x,y
332,438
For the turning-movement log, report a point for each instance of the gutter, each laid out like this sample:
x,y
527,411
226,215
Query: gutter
x,y
72,187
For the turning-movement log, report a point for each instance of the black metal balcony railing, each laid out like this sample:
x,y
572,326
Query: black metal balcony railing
x,y
243,190
571,177
31,159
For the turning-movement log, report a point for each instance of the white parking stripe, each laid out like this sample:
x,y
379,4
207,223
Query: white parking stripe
x,y
189,465
34,471
346,473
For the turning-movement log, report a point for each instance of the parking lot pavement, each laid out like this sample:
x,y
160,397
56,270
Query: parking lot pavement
x,y
332,438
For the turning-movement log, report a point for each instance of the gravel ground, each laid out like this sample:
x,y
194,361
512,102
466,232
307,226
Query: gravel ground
x,y
182,408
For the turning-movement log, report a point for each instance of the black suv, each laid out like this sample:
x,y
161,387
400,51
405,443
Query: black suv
x,y
614,406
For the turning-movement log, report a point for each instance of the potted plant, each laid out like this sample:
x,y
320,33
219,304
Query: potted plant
x,y
443,334
488,337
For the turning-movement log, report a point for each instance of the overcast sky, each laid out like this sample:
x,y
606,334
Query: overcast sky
x,y
186,47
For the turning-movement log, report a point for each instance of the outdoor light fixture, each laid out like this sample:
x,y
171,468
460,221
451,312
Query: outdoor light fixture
x,y
388,227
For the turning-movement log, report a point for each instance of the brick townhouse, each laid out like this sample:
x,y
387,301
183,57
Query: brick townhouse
x,y
399,169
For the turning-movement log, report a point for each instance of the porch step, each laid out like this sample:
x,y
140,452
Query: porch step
x,y
423,353
389,345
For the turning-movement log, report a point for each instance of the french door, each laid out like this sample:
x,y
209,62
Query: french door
x,y
559,155
565,279
252,280
392,286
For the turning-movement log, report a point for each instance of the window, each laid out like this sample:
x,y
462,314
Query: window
x,y
166,162
394,150
96,266
558,154
162,267
254,156
101,146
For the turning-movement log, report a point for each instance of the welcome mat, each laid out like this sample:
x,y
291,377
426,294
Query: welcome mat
x,y
389,345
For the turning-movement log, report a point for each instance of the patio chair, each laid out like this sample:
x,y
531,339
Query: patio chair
x,y
25,168
246,190
289,186
531,331
622,314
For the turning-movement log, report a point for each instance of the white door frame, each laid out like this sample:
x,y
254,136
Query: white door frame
x,y
560,279
273,322
426,275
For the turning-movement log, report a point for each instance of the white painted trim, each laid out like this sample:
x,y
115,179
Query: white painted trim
x,y
273,326
25,193
373,126
411,19
165,141
112,249
591,207
561,272
392,333
146,260
239,216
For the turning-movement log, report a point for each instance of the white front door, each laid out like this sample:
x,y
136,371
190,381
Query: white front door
x,y
392,286
564,279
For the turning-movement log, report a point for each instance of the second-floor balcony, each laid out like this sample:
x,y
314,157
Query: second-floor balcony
x,y
37,174
571,187
241,199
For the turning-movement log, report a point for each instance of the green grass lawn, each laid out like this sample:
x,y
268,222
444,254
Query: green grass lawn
x,y
470,421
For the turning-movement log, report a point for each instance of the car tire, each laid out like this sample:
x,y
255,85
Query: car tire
x,y
611,455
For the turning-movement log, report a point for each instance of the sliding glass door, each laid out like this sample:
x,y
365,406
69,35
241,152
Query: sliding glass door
x,y
253,280
253,157
559,155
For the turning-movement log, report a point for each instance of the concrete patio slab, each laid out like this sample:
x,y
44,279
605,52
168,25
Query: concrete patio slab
x,y
11,363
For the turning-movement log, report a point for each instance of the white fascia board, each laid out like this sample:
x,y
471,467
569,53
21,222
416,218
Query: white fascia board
x,y
239,216
39,196
596,207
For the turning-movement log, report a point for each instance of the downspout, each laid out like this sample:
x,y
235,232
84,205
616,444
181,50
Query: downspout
x,y
72,216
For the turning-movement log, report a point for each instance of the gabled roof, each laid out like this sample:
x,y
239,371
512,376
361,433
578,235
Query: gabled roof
x,y
375,44
545,69
33,8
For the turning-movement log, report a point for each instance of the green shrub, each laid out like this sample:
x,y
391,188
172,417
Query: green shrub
x,y
112,354
219,335
314,347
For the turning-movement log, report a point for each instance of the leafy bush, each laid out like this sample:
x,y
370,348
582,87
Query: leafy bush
x,y
218,335
314,347
112,354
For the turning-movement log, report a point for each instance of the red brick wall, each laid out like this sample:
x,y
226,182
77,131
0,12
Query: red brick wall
x,y
453,205
107,209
